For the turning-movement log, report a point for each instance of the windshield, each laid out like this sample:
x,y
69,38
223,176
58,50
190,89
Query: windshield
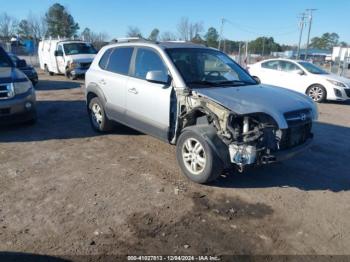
x,y
311,68
207,67
78,48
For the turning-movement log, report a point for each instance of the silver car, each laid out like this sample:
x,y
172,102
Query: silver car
x,y
200,100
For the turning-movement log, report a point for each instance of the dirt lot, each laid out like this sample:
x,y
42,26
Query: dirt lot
x,y
65,190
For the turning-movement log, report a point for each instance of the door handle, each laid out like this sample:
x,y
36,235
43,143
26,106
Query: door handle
x,y
133,90
102,82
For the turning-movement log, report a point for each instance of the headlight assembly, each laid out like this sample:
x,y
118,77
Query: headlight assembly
x,y
22,87
74,65
336,83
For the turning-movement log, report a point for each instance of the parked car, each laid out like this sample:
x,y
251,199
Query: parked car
x,y
71,58
17,95
199,99
303,77
28,70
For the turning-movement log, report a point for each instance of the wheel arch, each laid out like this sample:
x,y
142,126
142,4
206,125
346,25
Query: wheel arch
x,y
209,134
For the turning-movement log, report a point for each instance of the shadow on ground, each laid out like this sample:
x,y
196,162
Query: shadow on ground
x,y
323,167
47,85
57,120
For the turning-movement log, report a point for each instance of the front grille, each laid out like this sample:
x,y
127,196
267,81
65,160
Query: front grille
x,y
295,135
347,91
298,117
4,91
85,65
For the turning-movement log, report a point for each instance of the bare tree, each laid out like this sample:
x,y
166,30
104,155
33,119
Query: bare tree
x,y
37,26
183,28
188,30
133,31
167,36
8,26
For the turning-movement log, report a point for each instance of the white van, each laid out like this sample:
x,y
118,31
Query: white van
x,y
69,57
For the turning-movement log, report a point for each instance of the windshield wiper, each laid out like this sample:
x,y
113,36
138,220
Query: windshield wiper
x,y
234,83
204,82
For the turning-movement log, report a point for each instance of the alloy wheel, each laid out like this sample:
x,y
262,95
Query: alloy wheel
x,y
193,156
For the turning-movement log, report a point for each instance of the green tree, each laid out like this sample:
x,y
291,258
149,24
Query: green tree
x,y
212,37
326,41
154,35
264,46
60,23
24,29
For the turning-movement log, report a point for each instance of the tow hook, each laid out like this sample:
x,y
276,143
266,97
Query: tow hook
x,y
240,169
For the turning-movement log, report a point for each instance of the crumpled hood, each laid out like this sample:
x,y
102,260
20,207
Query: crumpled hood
x,y
81,58
274,101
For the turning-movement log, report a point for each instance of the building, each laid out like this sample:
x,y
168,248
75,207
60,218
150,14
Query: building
x,y
339,53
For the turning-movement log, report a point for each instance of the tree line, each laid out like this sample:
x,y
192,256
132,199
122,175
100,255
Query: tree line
x,y
58,22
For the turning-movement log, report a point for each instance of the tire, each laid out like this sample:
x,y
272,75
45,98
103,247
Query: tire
x,y
97,115
70,76
46,69
317,93
202,166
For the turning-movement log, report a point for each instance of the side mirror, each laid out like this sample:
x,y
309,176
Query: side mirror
x,y
21,63
58,53
158,77
300,72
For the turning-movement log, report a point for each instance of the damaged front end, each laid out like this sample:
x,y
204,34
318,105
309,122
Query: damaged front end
x,y
250,139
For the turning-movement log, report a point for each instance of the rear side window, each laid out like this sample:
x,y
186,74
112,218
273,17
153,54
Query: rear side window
x,y
270,65
104,59
147,60
119,60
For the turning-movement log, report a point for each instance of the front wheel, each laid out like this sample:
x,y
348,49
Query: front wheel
x,y
317,93
98,118
196,158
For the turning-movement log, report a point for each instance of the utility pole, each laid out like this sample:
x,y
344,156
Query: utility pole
x,y
310,10
302,19
221,32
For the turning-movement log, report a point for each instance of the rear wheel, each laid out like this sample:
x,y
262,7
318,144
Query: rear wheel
x,y
46,69
317,93
196,158
98,118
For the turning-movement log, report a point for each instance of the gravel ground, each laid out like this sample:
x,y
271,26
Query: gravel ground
x,y
65,190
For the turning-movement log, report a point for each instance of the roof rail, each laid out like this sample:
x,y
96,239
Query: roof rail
x,y
131,39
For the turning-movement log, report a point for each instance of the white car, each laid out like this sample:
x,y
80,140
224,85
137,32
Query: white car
x,y
303,77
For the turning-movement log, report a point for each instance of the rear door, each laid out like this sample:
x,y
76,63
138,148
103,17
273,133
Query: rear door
x,y
269,73
148,104
113,79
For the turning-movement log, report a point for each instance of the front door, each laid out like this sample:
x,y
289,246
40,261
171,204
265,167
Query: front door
x,y
148,104
61,64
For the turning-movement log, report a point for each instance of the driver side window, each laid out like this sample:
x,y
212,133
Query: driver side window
x,y
148,60
60,49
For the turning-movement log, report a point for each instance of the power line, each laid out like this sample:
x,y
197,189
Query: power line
x,y
310,10
302,21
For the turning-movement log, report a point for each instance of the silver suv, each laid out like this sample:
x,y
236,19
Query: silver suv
x,y
200,100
